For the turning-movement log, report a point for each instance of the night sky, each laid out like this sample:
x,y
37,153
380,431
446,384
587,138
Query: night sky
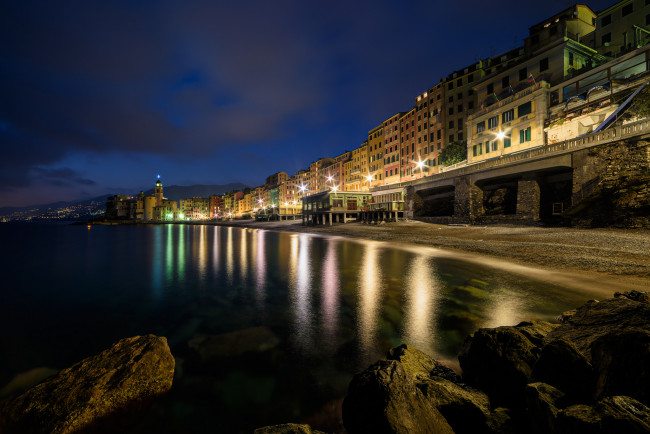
x,y
100,97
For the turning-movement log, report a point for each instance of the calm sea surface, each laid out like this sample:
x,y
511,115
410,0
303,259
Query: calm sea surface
x,y
326,306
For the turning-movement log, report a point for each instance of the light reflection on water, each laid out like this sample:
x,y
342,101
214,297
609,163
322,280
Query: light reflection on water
x,y
335,306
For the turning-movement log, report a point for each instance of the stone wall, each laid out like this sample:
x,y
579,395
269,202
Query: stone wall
x,y
611,186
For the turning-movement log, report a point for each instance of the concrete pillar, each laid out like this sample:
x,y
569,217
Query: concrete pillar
x,y
330,218
468,199
528,194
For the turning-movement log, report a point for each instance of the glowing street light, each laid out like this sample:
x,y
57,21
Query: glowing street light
x,y
369,178
335,188
419,164
501,135
329,178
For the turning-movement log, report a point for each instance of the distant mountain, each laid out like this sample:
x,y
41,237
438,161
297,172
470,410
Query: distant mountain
x,y
178,192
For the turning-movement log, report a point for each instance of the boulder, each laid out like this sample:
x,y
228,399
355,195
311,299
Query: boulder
x,y
287,428
614,414
561,365
384,399
595,319
467,410
234,344
500,361
87,394
542,401
415,363
641,297
622,361
500,422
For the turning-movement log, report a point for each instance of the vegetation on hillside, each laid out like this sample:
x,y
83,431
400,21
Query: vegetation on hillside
x,y
453,153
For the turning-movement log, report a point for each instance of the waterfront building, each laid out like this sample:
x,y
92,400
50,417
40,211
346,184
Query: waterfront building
x,y
391,149
375,152
216,205
329,207
355,168
195,208
407,145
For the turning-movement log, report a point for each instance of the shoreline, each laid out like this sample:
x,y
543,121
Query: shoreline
x,y
608,259
603,259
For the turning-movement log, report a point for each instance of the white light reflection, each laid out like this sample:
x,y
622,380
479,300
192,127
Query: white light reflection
x,y
505,308
215,250
260,268
243,254
330,293
422,295
300,284
229,257
369,301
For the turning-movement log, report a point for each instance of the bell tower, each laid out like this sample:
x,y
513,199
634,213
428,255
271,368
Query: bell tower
x,y
159,192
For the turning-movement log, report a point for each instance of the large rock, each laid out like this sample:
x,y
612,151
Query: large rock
x,y
641,297
615,414
543,401
465,409
133,371
235,344
383,399
561,365
622,360
500,361
595,319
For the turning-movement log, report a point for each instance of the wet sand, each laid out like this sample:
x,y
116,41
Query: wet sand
x,y
608,260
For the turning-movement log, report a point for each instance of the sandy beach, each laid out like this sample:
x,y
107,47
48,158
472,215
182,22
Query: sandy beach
x,y
615,259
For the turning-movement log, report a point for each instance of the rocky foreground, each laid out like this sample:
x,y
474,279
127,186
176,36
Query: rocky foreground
x,y
588,374
97,392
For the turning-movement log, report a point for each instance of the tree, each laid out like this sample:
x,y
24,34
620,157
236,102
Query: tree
x,y
453,153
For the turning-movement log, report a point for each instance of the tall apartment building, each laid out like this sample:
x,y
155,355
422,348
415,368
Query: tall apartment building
x,y
621,28
407,140
356,169
375,156
391,149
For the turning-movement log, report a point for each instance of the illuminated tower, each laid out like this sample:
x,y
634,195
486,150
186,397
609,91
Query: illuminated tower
x,y
159,192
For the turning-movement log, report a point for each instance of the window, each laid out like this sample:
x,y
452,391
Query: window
x,y
451,99
627,9
480,127
459,82
451,138
460,136
571,59
507,139
450,85
451,124
507,116
606,38
490,88
524,135
552,30
460,108
495,145
487,147
439,146
470,105
647,20
480,149
493,122
475,150
606,20
505,82
524,109
438,134
460,123
534,39
451,110
543,64
522,74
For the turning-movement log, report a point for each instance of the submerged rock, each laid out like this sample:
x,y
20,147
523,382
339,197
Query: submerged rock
x,y
132,372
287,428
235,344
384,399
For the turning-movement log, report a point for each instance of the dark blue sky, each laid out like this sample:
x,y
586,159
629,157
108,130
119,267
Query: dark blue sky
x,y
99,97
